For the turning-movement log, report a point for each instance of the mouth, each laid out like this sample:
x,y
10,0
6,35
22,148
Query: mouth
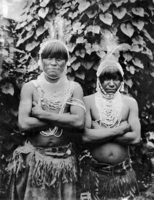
x,y
52,69
110,90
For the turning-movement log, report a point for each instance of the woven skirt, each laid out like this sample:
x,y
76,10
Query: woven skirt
x,y
37,173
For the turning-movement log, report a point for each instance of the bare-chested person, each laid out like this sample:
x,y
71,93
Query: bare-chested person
x,y
50,108
112,124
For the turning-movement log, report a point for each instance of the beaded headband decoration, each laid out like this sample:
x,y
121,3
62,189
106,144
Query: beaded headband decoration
x,y
56,30
51,41
112,47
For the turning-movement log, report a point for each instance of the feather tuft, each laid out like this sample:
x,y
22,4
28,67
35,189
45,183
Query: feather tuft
x,y
110,44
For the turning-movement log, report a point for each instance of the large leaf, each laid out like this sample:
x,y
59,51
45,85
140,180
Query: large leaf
x,y
94,29
89,50
148,52
43,12
96,47
73,14
105,6
127,29
148,36
131,69
120,13
91,13
129,82
138,11
40,31
71,46
101,53
138,63
136,48
81,53
139,24
80,40
32,45
77,26
106,18
72,59
76,66
44,3
80,75
87,65
127,56
139,40
29,34
118,3
83,5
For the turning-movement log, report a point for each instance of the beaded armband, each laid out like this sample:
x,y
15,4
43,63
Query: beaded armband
x,y
76,102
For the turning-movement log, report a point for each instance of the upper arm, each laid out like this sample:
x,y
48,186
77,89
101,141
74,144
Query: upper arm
x,y
77,110
133,119
88,119
25,105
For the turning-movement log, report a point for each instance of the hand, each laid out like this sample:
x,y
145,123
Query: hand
x,y
95,125
36,110
124,127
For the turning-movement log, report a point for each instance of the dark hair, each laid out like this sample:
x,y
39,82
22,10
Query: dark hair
x,y
55,50
111,72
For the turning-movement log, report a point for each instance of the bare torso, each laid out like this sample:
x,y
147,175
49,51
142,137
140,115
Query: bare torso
x,y
38,139
109,151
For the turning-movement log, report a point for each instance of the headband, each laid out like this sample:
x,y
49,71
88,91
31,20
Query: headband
x,y
109,63
46,43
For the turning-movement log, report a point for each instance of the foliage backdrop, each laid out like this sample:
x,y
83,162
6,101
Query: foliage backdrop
x,y
132,21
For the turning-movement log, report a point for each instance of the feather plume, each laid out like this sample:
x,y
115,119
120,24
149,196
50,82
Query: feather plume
x,y
111,45
56,28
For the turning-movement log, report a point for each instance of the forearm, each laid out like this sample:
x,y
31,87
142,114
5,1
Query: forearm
x,y
100,135
64,120
31,123
128,138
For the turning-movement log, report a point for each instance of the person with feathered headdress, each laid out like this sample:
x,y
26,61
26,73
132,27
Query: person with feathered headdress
x,y
112,125
51,113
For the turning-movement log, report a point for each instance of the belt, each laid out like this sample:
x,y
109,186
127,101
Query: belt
x,y
59,151
110,169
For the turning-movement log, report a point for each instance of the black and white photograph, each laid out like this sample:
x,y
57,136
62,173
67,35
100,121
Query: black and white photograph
x,y
76,99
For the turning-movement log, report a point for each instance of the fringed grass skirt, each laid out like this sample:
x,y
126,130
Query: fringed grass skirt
x,y
107,182
42,173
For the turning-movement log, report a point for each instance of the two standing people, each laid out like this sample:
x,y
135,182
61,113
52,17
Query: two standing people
x,y
52,110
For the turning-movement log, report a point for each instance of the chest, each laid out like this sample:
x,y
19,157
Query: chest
x,y
41,101
124,111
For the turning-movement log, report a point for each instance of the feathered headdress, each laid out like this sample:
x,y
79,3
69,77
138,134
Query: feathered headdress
x,y
56,30
111,45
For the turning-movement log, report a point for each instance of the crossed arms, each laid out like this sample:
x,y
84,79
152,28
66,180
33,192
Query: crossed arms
x,y
128,132
32,116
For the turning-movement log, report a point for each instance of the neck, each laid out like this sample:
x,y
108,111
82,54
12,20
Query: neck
x,y
51,79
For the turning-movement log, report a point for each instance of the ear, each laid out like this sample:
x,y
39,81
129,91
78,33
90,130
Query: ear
x,y
40,64
122,88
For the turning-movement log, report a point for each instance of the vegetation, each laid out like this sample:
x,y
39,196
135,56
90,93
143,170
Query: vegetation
x,y
132,22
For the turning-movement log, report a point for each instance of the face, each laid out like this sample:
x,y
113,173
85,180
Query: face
x,y
53,67
111,84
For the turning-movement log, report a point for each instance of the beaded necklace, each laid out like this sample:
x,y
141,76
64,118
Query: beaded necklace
x,y
109,107
54,96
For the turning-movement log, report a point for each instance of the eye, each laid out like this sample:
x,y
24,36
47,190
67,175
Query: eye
x,y
59,59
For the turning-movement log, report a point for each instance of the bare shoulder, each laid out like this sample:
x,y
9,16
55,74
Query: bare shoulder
x,y
27,88
77,90
89,100
130,100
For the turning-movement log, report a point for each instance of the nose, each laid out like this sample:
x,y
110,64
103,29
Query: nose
x,y
111,83
53,61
